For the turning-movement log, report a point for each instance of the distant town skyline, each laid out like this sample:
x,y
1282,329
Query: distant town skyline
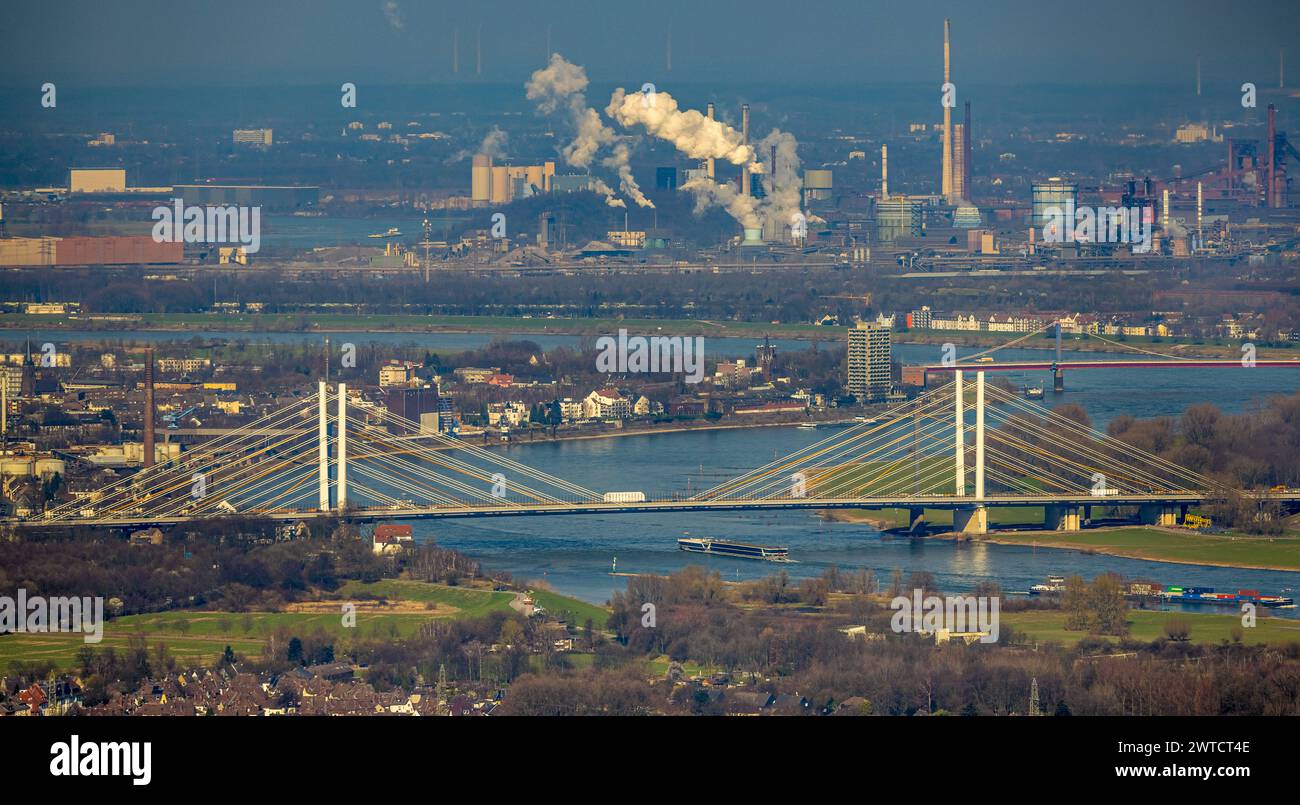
x,y
240,43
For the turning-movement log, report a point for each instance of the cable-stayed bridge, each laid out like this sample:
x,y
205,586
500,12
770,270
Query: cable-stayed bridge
x,y
966,446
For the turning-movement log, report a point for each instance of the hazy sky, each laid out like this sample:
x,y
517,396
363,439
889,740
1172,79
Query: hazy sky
x,y
228,42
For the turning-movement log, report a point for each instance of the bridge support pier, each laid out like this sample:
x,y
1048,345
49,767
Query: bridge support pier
x,y
1062,518
1158,514
1058,380
974,520
915,517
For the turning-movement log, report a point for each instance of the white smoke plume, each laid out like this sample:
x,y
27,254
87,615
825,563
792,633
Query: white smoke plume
x,y
690,131
783,189
709,193
604,189
561,85
494,143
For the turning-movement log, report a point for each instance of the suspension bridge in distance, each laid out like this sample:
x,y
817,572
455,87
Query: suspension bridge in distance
x,y
965,447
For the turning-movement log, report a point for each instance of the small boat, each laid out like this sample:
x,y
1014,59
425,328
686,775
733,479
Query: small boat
x,y
392,232
736,550
807,426
1055,584
1033,392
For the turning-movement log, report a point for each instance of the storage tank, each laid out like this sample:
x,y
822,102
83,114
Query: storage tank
x,y
500,193
481,178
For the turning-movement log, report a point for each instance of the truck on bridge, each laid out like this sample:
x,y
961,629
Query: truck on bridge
x,y
624,497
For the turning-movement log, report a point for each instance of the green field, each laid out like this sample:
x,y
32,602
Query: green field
x,y
556,605
470,603
1169,545
198,637
1147,625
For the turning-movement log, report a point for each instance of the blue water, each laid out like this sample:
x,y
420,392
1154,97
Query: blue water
x,y
575,554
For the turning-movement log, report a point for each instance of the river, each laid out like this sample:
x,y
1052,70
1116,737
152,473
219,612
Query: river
x,y
575,555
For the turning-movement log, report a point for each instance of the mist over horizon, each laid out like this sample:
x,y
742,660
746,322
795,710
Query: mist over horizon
x,y
240,43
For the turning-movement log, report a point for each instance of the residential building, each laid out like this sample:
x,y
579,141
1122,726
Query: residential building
x,y
606,404
869,361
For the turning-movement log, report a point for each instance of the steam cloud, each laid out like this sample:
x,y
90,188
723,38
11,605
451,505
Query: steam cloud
x,y
561,86
690,132
695,135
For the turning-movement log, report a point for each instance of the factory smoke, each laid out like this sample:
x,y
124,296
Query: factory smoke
x,y
561,86
699,136
782,185
689,131
709,193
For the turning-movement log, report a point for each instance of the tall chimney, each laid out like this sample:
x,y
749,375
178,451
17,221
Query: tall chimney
x,y
744,131
1272,198
708,164
946,180
966,156
884,171
1198,76
148,408
772,182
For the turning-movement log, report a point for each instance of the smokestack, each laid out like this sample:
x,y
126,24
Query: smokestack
x,y
1200,201
773,169
1198,76
884,171
1281,69
946,179
148,408
1273,198
744,133
708,163
669,55
478,51
967,151
455,51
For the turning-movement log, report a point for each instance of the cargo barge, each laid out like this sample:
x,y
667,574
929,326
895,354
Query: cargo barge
x,y
735,550
1179,595
1207,595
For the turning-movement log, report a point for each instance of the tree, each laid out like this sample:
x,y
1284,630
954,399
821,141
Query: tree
x,y
1178,629
1108,606
1075,603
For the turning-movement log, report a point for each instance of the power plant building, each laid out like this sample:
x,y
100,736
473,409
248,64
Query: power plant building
x,y
502,184
97,180
1053,193
817,185
897,217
